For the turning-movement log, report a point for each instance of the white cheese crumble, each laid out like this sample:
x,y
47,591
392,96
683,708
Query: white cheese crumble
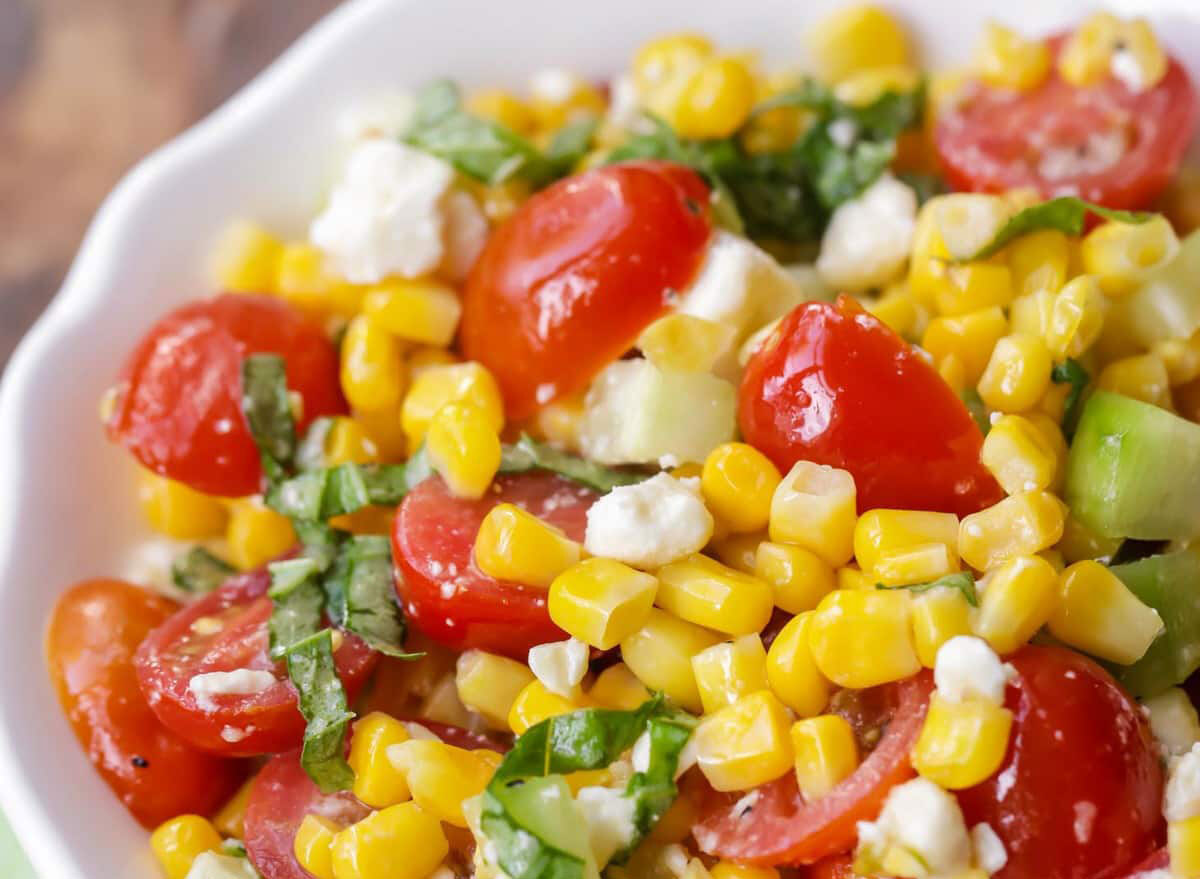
x,y
385,216
1182,798
555,85
1097,154
560,665
640,755
624,105
843,132
1124,67
610,820
1174,721
210,865
920,818
466,233
239,682
867,241
649,524
968,668
990,854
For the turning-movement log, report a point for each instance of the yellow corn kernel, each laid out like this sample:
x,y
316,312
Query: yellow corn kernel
x,y
1021,524
1009,61
313,846
1017,453
917,564
1050,429
826,754
503,107
384,433
973,287
799,577
863,638
660,654
553,107
857,38
1181,357
738,482
852,577
814,507
928,260
716,100
1145,52
1079,543
559,422
349,442
676,823
1183,847
1098,614
662,67
728,671
517,546
1039,263
534,704
686,342
867,86
1017,374
442,705
896,309
968,337
419,311
489,684
601,601
441,776
376,781
372,366
1086,56
177,842
436,386
464,449
961,743
705,592
937,616
1143,377
880,533
1030,314
738,551
425,357
256,534
618,687
367,850
178,511
231,820
1076,318
953,373
1018,600
246,258
745,744
1122,255
734,870
968,221
305,280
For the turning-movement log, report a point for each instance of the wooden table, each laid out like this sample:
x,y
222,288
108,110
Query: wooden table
x,y
87,87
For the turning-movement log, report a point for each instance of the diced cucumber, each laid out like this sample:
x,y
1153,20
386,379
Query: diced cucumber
x,y
1167,305
210,865
1170,584
545,808
1134,470
637,413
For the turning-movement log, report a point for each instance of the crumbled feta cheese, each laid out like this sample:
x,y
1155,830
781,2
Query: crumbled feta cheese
x,y
649,524
239,682
384,115
1097,154
968,668
385,216
990,854
640,755
148,563
555,85
1124,66
625,104
843,132
466,233
1174,721
921,819
609,816
1182,798
868,238
210,865
233,735
560,665
668,462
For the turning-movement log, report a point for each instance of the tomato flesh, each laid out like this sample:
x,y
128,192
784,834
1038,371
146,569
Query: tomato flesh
x,y
94,630
444,593
1110,145
781,828
834,385
566,284
178,407
232,635
1079,795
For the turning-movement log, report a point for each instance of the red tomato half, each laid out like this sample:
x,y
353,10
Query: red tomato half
x,y
564,287
780,828
1103,143
445,595
224,631
94,631
834,385
178,409
1080,794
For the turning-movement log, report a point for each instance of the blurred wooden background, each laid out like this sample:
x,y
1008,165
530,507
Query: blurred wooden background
x,y
87,87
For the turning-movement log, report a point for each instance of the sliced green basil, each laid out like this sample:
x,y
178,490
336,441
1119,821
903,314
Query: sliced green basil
x,y
1071,372
528,454
323,703
267,407
361,595
200,571
963,581
1066,214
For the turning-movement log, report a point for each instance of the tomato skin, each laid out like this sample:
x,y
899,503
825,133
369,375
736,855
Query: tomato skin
x,y
576,274
178,409
433,543
782,829
1078,741
94,630
262,723
834,385
992,140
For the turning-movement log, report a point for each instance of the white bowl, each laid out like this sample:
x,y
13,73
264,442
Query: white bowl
x,y
69,509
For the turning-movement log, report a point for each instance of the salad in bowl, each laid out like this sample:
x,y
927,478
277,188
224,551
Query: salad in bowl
x,y
724,471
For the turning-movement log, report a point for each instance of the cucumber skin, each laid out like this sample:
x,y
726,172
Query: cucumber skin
x,y
1134,470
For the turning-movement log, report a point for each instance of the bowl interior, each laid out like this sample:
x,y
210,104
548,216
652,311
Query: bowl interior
x,y
69,510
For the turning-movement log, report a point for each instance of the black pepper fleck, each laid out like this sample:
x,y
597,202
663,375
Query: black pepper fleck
x,y
140,762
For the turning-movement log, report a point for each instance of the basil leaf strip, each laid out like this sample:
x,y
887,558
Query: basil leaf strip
x,y
297,602
318,495
200,571
1066,214
977,408
528,454
1071,372
268,410
361,596
323,703
963,581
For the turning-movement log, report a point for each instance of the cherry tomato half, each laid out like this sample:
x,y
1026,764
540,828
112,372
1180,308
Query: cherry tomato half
x,y
1079,795
445,595
178,406
780,827
1103,143
577,272
94,630
834,385
224,631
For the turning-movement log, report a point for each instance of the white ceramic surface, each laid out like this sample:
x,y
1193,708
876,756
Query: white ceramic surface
x,y
68,508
